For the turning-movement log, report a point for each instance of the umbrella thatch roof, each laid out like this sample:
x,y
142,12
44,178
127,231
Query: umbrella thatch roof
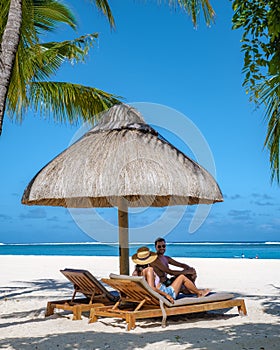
x,y
122,157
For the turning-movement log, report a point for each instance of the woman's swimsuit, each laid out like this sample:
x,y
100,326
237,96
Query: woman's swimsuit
x,y
168,290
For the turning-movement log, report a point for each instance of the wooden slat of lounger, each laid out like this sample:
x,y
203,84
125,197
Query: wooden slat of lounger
x,y
131,291
88,283
83,283
85,286
127,289
138,294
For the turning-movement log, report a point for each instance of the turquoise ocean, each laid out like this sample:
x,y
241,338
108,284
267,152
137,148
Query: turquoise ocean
x,y
249,250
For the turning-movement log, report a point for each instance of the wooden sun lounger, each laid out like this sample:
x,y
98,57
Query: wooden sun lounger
x,y
138,300
84,282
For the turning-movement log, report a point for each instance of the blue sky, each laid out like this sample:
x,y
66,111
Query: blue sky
x,y
155,57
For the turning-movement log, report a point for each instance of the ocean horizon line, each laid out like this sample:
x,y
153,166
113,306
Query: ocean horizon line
x,y
146,243
253,249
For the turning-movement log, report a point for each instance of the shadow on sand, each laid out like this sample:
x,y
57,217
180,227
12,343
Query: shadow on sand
x,y
41,285
248,335
245,336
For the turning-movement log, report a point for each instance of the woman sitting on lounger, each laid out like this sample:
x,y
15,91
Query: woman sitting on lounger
x,y
143,258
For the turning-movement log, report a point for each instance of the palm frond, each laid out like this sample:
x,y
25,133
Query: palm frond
x,y
39,16
194,8
28,32
54,54
48,14
75,49
41,61
269,95
4,9
22,71
104,7
69,102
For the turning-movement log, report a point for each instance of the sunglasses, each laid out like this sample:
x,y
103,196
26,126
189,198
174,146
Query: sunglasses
x,y
161,246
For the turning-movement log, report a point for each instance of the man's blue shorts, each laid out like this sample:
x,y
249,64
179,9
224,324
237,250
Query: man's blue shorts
x,y
168,290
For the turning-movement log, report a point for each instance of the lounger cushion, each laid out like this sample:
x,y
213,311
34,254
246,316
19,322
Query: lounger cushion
x,y
189,299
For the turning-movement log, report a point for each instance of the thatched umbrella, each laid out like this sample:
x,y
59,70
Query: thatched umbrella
x,y
122,162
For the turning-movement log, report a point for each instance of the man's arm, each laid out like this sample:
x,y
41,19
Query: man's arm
x,y
177,263
186,268
158,265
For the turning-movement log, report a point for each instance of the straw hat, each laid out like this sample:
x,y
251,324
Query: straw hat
x,y
144,256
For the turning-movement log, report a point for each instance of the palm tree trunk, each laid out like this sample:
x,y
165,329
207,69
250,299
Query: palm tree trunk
x,y
8,50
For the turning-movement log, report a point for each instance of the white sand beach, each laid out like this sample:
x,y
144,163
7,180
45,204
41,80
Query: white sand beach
x,y
28,282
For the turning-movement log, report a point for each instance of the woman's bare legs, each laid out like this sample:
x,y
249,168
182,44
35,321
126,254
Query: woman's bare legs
x,y
182,280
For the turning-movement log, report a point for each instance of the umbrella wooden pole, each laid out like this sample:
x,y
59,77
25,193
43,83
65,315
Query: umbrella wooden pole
x,y
123,240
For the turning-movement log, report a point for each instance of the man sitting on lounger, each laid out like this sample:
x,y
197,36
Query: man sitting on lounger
x,y
162,269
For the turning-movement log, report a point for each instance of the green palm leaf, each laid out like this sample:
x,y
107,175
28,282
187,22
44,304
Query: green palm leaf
x,y
69,102
104,7
40,62
269,95
74,50
261,42
48,14
194,7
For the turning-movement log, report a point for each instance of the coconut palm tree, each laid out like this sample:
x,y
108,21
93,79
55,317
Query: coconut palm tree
x,y
25,62
28,64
